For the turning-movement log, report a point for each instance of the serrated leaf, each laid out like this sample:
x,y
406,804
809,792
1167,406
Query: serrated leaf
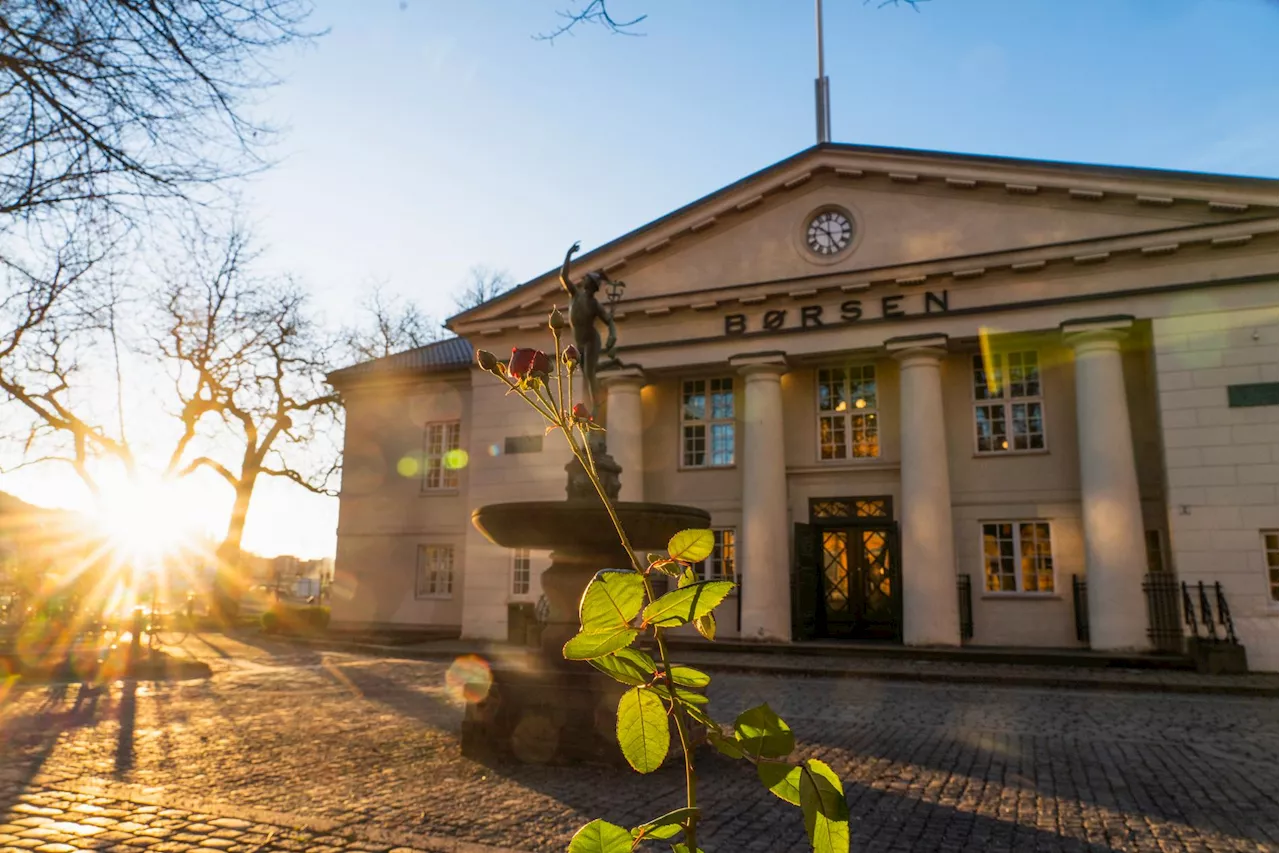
x,y
725,745
600,836
706,625
782,780
826,811
763,733
686,604
642,729
684,848
691,546
687,676
668,826
687,577
629,666
589,645
686,697
612,599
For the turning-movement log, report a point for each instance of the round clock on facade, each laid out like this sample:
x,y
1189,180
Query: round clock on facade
x,y
829,232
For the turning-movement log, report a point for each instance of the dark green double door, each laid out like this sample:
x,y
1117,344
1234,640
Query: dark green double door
x,y
847,579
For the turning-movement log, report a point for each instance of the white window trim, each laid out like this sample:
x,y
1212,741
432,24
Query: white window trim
x,y
707,421
1272,604
443,488
818,415
1017,544
705,565
417,569
1007,402
515,559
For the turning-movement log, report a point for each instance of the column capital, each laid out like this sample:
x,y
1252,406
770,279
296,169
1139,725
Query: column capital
x,y
1096,332
772,363
909,348
625,374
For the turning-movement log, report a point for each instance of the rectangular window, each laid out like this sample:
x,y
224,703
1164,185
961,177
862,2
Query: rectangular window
x,y
707,415
848,420
1271,544
520,571
1018,556
721,564
1008,409
435,572
440,455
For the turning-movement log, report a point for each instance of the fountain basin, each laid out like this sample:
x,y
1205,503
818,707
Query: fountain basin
x,y
584,527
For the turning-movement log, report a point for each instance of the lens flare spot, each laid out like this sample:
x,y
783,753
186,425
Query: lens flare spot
x,y
408,467
495,450
456,460
468,679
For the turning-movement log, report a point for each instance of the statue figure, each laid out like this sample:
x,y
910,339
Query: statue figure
x,y
584,310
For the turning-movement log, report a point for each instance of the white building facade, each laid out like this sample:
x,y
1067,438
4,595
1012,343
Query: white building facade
x,y
927,398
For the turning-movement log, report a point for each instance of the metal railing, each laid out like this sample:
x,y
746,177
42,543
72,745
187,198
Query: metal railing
x,y
1164,622
964,589
1213,613
1080,602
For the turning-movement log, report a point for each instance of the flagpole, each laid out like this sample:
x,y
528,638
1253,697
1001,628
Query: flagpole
x,y
822,86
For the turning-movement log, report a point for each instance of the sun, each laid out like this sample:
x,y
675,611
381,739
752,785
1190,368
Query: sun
x,y
145,520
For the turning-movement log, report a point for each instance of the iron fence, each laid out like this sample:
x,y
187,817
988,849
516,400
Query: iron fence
x,y
1164,622
1080,602
964,589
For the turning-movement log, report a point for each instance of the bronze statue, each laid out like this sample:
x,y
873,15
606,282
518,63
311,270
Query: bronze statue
x,y
584,310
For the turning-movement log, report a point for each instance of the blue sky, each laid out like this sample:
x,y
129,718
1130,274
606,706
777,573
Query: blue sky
x,y
428,136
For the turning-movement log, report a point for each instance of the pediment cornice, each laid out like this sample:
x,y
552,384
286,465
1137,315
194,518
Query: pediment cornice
x,y
1142,191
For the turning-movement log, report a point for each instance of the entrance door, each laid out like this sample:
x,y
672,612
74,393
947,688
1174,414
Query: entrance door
x,y
859,583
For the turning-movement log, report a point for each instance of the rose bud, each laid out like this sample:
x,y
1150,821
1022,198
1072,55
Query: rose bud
x,y
487,361
557,320
571,356
521,361
541,364
580,412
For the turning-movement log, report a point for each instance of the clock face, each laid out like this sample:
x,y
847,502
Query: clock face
x,y
829,232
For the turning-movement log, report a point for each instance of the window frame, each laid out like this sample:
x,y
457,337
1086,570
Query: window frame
x,y
818,414
1268,549
445,472
706,421
519,555
1007,402
1018,592
418,593
703,567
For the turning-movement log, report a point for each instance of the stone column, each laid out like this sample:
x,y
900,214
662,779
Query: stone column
x,y
1114,550
764,558
624,425
930,605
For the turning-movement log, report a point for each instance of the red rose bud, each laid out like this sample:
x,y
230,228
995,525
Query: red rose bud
x,y
571,355
521,361
541,364
557,320
580,412
487,361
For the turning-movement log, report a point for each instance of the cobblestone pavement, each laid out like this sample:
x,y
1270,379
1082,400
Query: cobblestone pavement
x,y
288,748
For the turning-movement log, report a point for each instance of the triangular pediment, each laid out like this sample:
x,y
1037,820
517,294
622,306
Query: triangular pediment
x,y
907,208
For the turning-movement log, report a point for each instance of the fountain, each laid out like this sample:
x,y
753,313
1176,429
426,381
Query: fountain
x,y
539,707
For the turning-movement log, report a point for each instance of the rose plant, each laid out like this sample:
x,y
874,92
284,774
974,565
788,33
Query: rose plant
x,y
619,606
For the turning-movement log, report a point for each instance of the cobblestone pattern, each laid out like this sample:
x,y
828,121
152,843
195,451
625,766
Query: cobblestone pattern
x,y
364,751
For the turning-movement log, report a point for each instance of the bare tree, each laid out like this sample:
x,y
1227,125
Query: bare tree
x,y
389,325
112,102
248,362
483,283
594,12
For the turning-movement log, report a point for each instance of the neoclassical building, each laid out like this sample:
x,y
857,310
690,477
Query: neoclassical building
x,y
927,398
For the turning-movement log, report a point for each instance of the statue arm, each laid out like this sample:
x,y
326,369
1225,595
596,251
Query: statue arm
x,y
564,269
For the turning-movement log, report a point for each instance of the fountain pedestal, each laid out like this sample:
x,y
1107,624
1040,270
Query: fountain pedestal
x,y
539,707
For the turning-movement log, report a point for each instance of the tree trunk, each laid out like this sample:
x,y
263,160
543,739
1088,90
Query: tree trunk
x,y
230,580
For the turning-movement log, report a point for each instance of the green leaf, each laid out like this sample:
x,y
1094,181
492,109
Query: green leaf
x,y
600,836
826,812
724,745
611,600
686,604
629,666
594,644
691,546
685,697
642,729
683,848
687,676
669,825
687,577
763,734
706,625
783,780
